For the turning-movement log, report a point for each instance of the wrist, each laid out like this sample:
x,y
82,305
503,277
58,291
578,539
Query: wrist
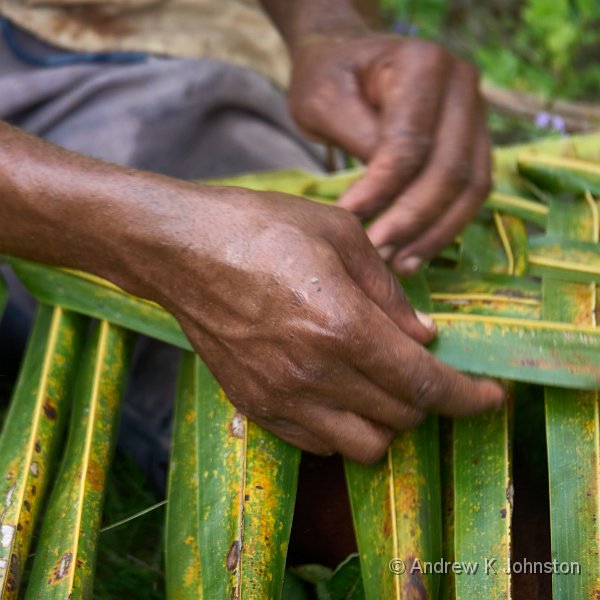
x,y
166,222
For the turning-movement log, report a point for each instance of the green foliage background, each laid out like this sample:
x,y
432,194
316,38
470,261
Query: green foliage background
x,y
548,47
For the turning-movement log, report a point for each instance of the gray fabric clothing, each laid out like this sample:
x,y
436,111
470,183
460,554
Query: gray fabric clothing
x,y
181,117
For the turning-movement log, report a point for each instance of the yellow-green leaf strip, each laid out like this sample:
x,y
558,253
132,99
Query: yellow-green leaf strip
x,y
532,351
246,488
559,174
396,505
572,429
483,505
396,509
182,556
30,440
65,557
95,297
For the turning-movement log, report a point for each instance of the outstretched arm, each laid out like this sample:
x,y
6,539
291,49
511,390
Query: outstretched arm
x,y
285,300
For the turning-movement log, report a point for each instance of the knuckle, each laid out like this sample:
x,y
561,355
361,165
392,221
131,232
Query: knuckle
x,y
337,336
412,418
308,109
428,52
455,175
407,149
345,226
389,292
428,393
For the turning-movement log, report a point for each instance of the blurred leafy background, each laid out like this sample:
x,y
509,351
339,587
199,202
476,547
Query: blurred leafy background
x,y
549,49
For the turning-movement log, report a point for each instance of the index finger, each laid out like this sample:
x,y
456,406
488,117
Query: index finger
x,y
408,89
413,375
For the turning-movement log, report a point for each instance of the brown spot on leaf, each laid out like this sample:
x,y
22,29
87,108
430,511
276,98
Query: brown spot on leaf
x,y
38,446
50,409
12,580
95,476
62,569
387,524
510,494
413,587
233,556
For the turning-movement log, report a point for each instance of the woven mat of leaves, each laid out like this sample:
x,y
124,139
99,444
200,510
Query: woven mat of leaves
x,y
514,297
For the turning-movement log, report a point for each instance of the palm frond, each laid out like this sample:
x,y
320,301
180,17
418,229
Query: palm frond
x,y
444,491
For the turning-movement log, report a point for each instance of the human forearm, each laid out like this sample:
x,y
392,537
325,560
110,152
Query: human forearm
x,y
62,208
330,367
297,19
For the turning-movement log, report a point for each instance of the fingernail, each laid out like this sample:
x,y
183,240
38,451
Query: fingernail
x,y
426,320
386,252
409,265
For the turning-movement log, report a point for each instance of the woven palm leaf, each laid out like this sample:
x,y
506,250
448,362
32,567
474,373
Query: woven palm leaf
x,y
514,297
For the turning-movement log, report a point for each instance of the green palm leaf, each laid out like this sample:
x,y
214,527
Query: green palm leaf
x,y
64,563
574,348
559,174
98,298
396,505
232,490
572,427
31,437
232,485
482,505
397,512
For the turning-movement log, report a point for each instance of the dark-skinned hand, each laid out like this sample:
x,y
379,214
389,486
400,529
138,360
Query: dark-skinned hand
x,y
286,300
303,325
413,113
